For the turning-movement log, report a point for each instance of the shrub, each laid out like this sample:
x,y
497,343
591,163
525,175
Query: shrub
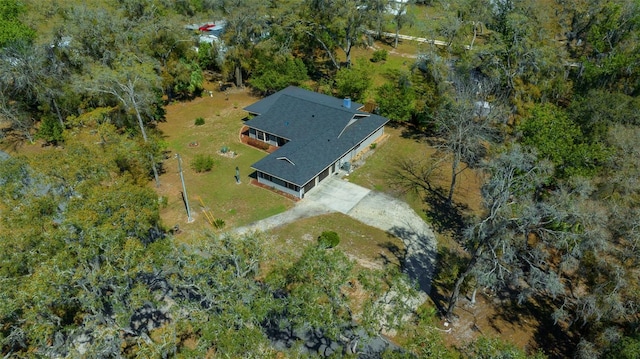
x,y
199,121
51,131
379,55
258,144
373,146
219,223
328,239
202,163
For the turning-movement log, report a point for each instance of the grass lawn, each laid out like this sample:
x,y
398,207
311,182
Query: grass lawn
x,y
368,246
377,172
236,204
425,22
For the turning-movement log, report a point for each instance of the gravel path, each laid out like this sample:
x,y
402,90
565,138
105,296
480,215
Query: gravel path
x,y
372,208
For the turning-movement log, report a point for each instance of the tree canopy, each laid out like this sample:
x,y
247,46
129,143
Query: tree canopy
x,y
538,99
12,29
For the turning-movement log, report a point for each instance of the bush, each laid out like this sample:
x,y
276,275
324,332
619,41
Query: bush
x,y
199,121
163,201
51,131
219,223
328,239
258,144
202,163
373,146
379,55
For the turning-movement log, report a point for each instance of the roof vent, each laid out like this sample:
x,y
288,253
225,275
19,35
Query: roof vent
x,y
346,103
286,159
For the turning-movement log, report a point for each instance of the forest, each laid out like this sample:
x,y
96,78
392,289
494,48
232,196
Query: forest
x,y
538,99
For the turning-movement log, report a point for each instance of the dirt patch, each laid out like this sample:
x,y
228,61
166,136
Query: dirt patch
x,y
487,318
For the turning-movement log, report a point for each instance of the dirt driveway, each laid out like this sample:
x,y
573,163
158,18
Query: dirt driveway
x,y
372,208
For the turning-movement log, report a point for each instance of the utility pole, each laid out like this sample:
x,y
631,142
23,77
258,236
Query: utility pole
x,y
184,189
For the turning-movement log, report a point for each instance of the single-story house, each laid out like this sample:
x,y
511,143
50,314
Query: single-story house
x,y
317,135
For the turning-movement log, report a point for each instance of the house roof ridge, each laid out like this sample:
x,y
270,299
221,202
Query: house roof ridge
x,y
265,104
335,107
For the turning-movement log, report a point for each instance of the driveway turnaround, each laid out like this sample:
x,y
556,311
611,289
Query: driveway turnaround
x,y
395,217
372,208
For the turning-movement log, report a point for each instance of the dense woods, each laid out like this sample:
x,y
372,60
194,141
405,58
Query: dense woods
x,y
540,99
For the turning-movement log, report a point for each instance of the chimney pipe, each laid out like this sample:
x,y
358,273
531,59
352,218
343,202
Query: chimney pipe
x,y
346,103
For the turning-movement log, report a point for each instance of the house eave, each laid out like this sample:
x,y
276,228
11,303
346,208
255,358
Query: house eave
x,y
270,133
278,177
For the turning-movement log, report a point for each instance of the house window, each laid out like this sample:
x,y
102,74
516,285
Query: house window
x,y
292,187
261,135
266,176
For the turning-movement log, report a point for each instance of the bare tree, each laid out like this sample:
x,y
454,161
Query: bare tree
x,y
17,118
465,125
492,242
132,84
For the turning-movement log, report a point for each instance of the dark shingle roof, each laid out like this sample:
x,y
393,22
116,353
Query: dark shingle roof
x,y
319,128
265,104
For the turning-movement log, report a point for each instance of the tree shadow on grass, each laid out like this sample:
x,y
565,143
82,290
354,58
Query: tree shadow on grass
x,y
549,337
445,217
11,141
412,132
450,262
398,252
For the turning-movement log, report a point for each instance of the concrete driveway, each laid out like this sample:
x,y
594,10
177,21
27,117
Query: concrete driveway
x,y
337,194
395,217
373,208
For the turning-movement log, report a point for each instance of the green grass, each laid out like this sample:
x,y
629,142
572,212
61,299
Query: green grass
x,y
424,21
379,71
237,204
377,171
